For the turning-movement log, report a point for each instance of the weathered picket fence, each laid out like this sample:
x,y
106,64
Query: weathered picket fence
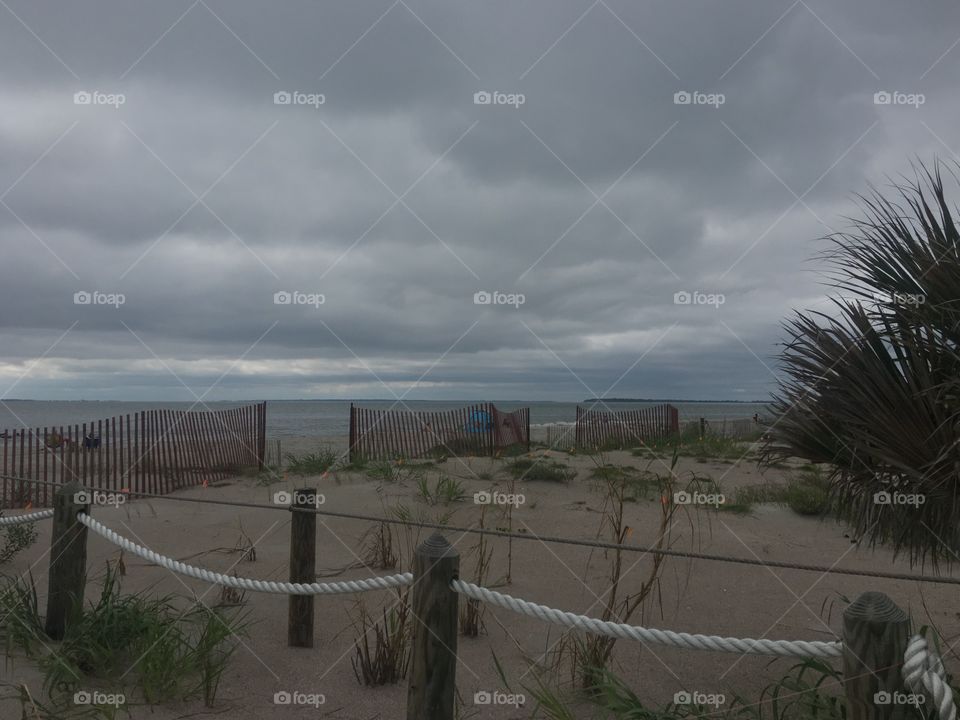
x,y
479,429
625,428
154,451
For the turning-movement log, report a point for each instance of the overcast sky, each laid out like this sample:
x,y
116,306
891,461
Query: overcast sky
x,y
157,191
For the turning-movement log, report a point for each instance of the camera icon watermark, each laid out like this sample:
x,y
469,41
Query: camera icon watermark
x,y
95,697
487,497
295,97
295,297
495,697
686,697
295,697
99,497
684,497
95,297
884,697
695,97
482,297
95,97
484,97
699,298
298,497
895,97
885,497
899,298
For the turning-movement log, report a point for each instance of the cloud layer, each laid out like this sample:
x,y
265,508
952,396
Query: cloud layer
x,y
630,153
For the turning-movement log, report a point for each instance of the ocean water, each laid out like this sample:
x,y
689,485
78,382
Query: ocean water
x,y
330,418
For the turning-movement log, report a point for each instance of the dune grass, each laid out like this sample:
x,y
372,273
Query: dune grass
x,y
540,469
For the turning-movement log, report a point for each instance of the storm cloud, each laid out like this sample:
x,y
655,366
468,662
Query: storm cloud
x,y
318,199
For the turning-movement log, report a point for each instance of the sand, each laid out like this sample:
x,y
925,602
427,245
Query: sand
x,y
694,596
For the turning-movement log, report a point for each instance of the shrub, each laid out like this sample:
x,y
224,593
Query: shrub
x,y
540,469
315,463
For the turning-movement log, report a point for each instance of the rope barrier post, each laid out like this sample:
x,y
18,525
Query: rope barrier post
x,y
68,559
875,634
433,665
303,567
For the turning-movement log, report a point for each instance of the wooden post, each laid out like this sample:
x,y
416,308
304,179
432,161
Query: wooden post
x,y
353,434
703,428
433,665
875,634
303,567
68,560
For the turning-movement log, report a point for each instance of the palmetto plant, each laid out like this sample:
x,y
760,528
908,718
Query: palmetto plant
x,y
873,388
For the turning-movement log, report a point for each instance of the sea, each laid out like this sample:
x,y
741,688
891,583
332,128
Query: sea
x,y
330,418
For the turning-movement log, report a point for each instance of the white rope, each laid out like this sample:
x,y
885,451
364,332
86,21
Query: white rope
x,y
29,517
923,672
782,648
284,588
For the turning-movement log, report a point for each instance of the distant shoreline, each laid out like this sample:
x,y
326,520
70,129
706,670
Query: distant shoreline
x,y
671,400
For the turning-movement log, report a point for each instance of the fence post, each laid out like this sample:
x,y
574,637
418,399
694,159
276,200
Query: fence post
x,y
353,434
703,428
433,665
68,560
875,635
303,567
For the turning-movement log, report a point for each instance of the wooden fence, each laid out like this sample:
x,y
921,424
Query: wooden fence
x,y
625,428
479,429
152,451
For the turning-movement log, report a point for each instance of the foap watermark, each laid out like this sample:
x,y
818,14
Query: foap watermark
x,y
699,298
295,297
95,97
885,497
695,97
884,697
899,298
895,97
686,697
298,497
95,297
684,497
95,697
295,97
99,497
514,100
482,297
486,697
295,697
487,497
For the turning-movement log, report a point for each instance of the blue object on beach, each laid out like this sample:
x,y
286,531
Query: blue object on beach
x,y
479,421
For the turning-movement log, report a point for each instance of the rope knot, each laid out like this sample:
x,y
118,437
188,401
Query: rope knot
x,y
923,673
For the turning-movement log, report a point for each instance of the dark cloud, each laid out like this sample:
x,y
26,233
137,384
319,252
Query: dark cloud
x,y
597,198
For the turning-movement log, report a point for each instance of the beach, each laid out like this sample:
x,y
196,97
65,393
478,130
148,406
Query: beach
x,y
696,596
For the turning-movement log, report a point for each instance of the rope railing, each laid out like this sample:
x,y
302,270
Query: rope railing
x,y
267,586
923,672
777,648
29,517
436,586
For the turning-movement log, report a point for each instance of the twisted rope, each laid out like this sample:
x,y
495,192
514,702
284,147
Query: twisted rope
x,y
269,586
923,672
779,648
29,517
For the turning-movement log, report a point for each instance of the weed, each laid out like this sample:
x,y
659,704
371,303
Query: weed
x,y
540,469
377,548
445,491
386,658
316,463
16,538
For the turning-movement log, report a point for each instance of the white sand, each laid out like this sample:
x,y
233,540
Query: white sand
x,y
696,596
